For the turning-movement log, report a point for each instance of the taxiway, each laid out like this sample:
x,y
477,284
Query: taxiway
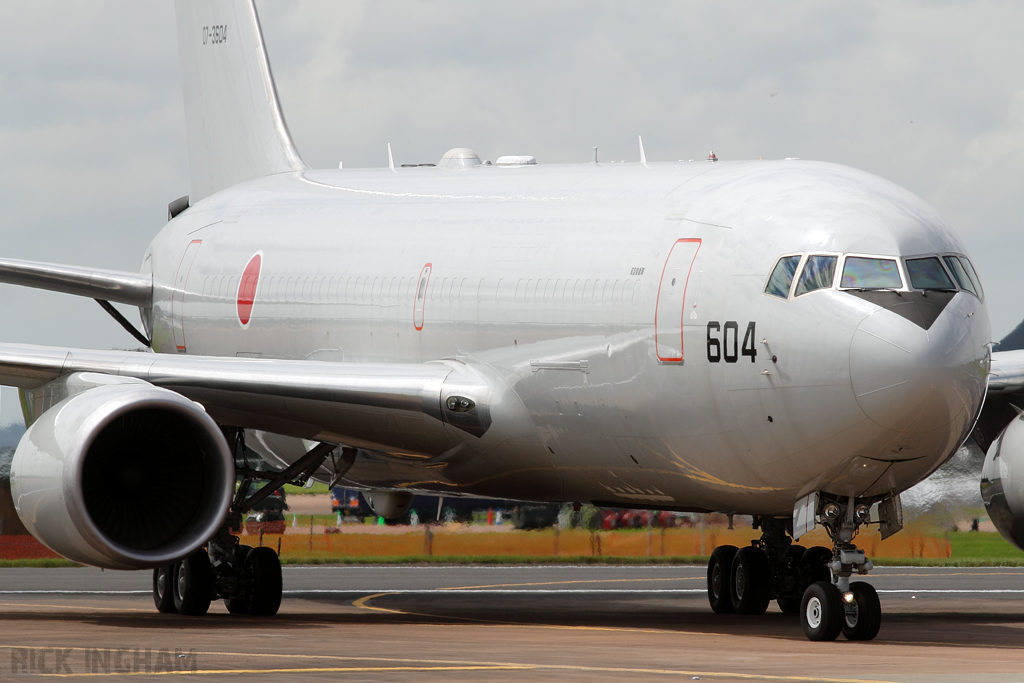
x,y
508,623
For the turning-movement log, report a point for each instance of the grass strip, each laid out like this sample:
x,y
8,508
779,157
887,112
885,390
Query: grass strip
x,y
46,562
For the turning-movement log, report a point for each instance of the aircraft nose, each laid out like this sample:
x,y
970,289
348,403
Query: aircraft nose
x,y
916,364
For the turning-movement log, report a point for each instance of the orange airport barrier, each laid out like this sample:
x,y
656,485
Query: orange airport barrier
x,y
24,547
460,542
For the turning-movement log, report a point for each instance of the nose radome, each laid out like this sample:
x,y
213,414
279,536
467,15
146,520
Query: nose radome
x,y
915,375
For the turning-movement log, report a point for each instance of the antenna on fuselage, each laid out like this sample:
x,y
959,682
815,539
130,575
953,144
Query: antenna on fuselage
x,y
391,160
643,157
595,155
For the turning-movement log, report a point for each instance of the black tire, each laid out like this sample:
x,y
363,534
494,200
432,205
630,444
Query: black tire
x,y
794,553
790,604
814,566
264,569
192,585
719,572
239,605
863,616
750,581
821,612
163,594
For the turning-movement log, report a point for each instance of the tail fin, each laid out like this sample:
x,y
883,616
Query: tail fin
x,y
235,128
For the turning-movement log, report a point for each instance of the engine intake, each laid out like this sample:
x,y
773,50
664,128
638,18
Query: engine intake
x,y
125,475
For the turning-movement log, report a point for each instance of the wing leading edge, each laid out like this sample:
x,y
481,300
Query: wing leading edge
x,y
388,407
133,289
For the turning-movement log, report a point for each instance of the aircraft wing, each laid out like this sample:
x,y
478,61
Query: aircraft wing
x,y
1005,390
1007,373
388,407
134,289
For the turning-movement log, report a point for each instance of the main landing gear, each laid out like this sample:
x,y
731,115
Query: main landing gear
x,y
247,579
813,582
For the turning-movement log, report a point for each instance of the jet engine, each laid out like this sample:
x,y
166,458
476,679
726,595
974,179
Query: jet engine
x,y
125,475
1002,482
388,504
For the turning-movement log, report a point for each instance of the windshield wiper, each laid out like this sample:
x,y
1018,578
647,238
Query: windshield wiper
x,y
876,289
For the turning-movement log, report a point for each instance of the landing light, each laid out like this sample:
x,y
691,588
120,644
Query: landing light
x,y
862,513
848,597
459,404
831,511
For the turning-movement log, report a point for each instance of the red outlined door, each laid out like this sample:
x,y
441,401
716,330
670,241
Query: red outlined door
x,y
668,313
178,295
421,297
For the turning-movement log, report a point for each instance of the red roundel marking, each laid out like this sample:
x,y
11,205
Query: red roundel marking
x,y
247,289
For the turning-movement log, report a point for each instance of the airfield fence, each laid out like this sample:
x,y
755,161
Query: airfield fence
x,y
325,544
464,541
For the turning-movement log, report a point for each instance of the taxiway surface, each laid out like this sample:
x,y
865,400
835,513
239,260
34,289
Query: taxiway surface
x,y
507,623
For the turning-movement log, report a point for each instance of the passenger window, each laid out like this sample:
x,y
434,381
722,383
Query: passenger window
x,y
782,277
870,273
928,273
818,273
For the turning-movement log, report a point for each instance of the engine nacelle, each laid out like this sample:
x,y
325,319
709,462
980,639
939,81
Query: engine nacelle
x,y
125,475
1002,483
388,504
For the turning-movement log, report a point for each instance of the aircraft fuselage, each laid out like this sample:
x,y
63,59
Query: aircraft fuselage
x,y
623,305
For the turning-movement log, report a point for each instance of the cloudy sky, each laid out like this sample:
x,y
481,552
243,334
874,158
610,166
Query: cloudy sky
x,y
92,145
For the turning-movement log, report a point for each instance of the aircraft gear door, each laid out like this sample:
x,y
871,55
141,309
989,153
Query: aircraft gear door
x,y
178,295
421,297
672,291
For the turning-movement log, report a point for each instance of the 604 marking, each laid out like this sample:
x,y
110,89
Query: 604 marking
x,y
727,346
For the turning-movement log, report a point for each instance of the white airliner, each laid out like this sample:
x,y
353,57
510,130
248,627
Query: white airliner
x,y
792,340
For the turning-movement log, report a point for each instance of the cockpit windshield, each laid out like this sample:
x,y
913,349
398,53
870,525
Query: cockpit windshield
x,y
782,276
928,273
813,272
818,273
974,275
870,273
960,274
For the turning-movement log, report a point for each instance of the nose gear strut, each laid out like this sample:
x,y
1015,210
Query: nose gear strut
x,y
839,606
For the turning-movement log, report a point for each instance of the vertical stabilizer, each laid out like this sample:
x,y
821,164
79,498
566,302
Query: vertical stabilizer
x,y
236,131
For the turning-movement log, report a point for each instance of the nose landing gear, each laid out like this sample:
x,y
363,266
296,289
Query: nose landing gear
x,y
837,605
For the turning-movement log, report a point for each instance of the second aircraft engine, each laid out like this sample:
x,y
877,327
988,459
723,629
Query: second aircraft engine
x,y
1002,483
388,504
124,475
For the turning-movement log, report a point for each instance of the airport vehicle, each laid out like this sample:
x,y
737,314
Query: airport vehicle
x,y
793,340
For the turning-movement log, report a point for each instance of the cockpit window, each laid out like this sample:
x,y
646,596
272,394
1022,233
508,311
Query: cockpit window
x,y
928,273
818,273
782,277
974,275
870,273
960,274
